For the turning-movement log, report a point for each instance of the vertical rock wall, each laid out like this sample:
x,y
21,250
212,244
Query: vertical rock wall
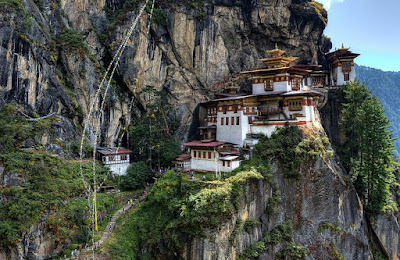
x,y
193,48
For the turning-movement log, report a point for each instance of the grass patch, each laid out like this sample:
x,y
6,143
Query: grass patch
x,y
177,210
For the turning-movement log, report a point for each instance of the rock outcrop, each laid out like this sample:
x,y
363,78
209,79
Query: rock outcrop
x,y
190,47
326,213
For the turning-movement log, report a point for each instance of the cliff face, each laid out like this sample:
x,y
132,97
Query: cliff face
x,y
48,69
325,211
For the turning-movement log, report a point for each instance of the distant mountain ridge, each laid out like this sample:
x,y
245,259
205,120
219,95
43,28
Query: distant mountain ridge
x,y
386,86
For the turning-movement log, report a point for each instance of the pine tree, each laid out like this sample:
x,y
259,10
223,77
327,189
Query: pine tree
x,y
374,178
368,147
355,94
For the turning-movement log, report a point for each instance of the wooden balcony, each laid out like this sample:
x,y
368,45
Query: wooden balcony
x,y
269,110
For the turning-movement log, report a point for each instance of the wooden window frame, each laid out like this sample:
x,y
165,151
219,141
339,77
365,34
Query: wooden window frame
x,y
222,121
295,105
237,120
296,83
209,155
268,84
226,120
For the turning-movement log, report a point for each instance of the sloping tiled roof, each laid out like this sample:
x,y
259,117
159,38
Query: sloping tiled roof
x,y
204,144
183,157
228,158
108,151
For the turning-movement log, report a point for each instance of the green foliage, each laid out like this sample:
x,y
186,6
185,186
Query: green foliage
x,y
160,17
274,200
369,147
15,4
319,8
152,135
328,226
354,94
282,147
291,250
254,250
236,230
121,14
384,84
48,184
136,175
335,253
250,224
314,145
15,130
258,165
73,40
86,149
176,210
282,233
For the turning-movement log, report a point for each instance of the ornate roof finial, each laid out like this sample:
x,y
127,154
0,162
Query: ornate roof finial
x,y
276,46
342,46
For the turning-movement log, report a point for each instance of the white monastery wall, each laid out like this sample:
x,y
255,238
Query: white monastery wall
x,y
119,169
232,133
282,86
263,129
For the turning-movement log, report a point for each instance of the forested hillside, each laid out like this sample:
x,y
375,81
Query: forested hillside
x,y
386,86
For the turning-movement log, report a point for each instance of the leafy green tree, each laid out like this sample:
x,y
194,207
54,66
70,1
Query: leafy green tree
x,y
136,175
369,146
355,94
151,136
282,146
374,178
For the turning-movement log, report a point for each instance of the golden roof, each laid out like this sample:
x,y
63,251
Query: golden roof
x,y
275,53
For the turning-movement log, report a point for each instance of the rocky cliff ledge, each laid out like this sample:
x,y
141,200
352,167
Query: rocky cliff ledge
x,y
53,53
324,211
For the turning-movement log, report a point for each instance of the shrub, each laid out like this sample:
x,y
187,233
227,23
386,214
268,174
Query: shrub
x,y
250,224
136,175
282,147
73,39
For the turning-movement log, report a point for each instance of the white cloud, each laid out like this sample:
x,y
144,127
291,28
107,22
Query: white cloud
x,y
327,3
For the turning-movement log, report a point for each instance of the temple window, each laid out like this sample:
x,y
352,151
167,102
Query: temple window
x,y
237,120
209,155
222,121
268,84
227,120
228,163
295,84
318,81
204,155
232,121
295,105
346,77
346,67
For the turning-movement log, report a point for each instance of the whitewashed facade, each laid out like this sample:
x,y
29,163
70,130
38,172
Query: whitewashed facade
x,y
116,159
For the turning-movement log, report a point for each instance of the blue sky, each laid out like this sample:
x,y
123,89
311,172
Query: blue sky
x,y
368,27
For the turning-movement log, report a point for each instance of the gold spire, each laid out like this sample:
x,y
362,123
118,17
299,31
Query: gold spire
x,y
231,87
275,53
344,48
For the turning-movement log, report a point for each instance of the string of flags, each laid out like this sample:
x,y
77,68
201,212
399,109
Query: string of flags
x,y
106,81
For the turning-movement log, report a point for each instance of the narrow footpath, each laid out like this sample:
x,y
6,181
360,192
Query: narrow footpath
x,y
86,253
